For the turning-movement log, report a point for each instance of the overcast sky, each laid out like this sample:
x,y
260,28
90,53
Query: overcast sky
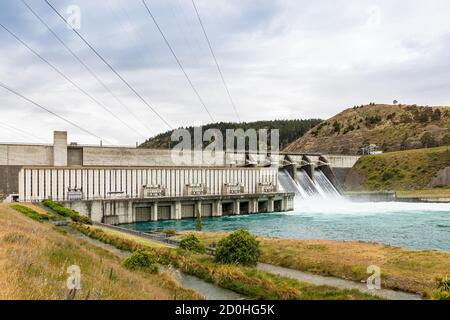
x,y
281,59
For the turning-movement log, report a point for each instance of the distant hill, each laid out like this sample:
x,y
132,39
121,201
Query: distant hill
x,y
290,130
391,127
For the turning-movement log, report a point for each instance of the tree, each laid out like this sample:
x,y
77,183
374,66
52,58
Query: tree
x,y
198,221
240,247
395,101
427,140
142,259
192,243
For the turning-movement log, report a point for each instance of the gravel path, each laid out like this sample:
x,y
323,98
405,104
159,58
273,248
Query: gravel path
x,y
336,282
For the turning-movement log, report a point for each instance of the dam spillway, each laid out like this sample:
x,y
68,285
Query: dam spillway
x,y
305,187
124,184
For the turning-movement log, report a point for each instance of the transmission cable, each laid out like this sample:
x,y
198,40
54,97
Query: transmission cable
x,y
84,65
215,60
51,112
21,132
109,65
178,61
67,78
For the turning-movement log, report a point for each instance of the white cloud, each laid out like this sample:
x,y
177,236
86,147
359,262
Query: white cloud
x,y
281,59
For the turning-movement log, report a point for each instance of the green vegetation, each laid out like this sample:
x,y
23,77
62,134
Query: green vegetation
x,y
247,281
391,127
401,269
192,243
289,131
142,259
442,291
402,170
240,247
32,214
66,212
169,232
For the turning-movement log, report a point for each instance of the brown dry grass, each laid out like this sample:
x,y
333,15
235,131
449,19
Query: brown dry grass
x,y
431,193
34,258
407,270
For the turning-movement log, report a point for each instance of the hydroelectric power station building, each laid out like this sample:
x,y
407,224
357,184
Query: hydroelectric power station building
x,y
123,185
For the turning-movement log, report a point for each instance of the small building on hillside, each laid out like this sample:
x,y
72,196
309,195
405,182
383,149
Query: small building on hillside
x,y
371,149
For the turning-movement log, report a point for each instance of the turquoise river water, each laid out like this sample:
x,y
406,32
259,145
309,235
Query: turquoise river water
x,y
408,225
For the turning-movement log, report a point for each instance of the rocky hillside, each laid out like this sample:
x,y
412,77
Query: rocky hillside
x,y
290,130
391,127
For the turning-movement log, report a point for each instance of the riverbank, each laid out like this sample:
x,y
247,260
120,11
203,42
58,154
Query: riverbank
x,y
422,226
34,258
438,195
407,270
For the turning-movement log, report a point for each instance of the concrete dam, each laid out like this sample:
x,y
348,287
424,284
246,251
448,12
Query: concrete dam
x,y
117,185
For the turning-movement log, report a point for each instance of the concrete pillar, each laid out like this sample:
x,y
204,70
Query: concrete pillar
x,y
60,148
217,208
131,215
154,216
198,208
253,206
237,207
177,210
270,206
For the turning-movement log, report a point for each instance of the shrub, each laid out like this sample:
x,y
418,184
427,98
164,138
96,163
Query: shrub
x,y
142,259
446,140
30,213
192,243
169,232
240,247
442,291
337,126
427,140
66,212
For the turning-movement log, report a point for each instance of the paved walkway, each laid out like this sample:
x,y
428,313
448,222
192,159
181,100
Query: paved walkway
x,y
336,282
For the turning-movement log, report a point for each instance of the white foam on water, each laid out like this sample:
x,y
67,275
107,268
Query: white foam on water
x,y
339,205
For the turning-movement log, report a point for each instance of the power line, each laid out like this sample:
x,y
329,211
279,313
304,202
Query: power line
x,y
109,65
67,78
51,112
178,61
215,60
83,64
20,131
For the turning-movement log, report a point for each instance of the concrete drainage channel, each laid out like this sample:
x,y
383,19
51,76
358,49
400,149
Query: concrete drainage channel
x,y
208,290
286,272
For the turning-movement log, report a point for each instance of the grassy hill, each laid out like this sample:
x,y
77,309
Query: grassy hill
x,y
402,170
391,127
34,258
289,131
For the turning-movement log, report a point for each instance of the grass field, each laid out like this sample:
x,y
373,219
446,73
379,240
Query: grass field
x,y
406,270
34,258
247,281
402,170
